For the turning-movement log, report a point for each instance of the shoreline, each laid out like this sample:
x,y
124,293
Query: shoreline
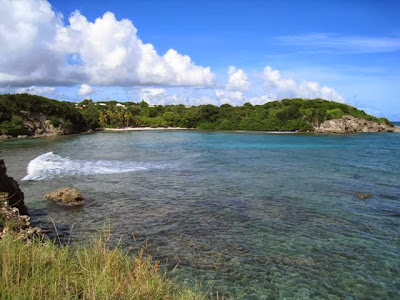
x,y
396,129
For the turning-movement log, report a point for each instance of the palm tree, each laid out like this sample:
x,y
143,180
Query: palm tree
x,y
103,118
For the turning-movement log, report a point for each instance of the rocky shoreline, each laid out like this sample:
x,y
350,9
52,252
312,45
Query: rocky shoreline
x,y
38,129
14,214
350,124
39,125
11,220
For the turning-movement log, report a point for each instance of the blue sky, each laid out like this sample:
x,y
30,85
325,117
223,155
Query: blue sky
x,y
343,50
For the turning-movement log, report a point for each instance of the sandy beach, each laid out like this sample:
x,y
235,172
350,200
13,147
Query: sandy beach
x,y
146,128
181,128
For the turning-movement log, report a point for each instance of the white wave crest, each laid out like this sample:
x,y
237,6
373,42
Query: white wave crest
x,y
50,165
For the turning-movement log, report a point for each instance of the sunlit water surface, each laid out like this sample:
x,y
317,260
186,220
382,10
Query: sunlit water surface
x,y
257,216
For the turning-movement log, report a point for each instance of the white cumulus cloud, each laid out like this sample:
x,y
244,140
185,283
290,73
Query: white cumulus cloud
x,y
27,33
85,90
230,97
237,80
42,50
287,88
149,94
233,92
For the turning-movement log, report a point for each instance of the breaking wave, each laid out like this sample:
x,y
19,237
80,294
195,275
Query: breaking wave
x,y
50,165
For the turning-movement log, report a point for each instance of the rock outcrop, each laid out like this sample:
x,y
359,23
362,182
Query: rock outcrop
x,y
11,191
37,125
348,124
47,129
11,220
13,212
66,196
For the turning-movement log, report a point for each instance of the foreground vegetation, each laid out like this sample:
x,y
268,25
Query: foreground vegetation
x,y
285,115
44,270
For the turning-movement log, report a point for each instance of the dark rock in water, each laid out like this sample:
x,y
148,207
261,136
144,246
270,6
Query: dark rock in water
x,y
11,191
66,196
362,196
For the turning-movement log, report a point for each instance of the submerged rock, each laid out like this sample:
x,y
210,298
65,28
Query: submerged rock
x,y
66,196
362,196
10,191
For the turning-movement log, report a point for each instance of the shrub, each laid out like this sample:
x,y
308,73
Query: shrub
x,y
13,127
336,113
55,121
386,121
67,124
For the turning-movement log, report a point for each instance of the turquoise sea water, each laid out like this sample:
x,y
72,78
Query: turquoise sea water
x,y
251,215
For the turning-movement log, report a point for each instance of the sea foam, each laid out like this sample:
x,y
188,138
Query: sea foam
x,y
50,165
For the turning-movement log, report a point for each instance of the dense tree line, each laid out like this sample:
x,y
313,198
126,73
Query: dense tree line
x,y
285,115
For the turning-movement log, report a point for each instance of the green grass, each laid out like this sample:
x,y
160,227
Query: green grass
x,y
44,270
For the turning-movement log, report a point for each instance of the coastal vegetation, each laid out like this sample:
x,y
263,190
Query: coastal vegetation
x,y
285,115
43,269
19,113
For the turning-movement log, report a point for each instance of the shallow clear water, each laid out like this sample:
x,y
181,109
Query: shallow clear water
x,y
251,215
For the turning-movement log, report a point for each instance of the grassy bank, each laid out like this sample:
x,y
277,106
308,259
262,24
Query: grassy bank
x,y
45,270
